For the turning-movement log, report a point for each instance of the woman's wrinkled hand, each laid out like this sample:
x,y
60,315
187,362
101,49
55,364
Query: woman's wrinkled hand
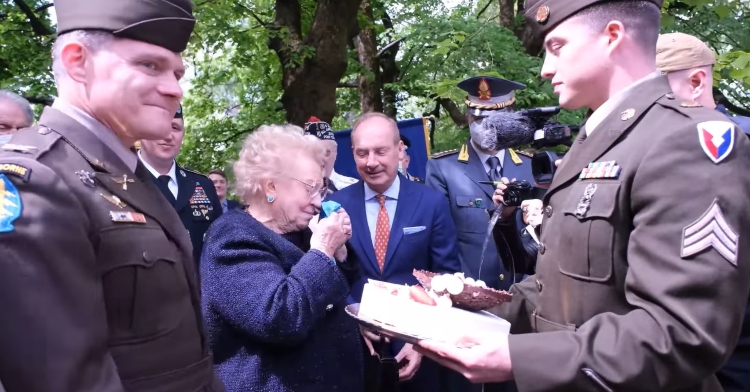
x,y
331,233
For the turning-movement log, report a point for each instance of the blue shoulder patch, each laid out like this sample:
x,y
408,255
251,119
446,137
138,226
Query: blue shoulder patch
x,y
10,204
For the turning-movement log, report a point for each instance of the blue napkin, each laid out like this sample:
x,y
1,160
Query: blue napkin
x,y
329,207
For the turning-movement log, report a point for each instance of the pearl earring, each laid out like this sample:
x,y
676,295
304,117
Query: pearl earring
x,y
271,198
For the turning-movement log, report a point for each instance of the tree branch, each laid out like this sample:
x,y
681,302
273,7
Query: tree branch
x,y
454,112
348,85
43,7
40,29
479,15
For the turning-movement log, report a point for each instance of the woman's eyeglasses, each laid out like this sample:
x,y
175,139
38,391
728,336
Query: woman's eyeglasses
x,y
316,188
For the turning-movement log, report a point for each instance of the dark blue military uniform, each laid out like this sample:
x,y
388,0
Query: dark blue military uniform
x,y
197,204
459,174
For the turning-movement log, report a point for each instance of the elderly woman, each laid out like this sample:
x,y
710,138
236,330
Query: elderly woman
x,y
274,298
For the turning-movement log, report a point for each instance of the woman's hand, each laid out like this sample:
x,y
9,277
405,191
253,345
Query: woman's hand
x,y
340,254
331,233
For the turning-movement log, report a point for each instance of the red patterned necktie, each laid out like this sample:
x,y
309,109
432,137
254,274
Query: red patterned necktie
x,y
382,232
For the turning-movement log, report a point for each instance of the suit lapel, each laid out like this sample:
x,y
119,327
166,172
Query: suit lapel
x,y
185,189
609,131
359,224
402,217
475,171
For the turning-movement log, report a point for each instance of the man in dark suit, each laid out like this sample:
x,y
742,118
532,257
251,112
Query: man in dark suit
x,y
688,64
98,286
221,183
397,226
191,194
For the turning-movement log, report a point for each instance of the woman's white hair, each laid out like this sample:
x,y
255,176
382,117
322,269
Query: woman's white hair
x,y
92,40
266,153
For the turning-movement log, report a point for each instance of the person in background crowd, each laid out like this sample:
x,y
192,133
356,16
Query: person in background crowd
x,y
642,275
96,271
405,159
219,178
15,113
191,194
322,130
463,177
687,61
399,226
275,313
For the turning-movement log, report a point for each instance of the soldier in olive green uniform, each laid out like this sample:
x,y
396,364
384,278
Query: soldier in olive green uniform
x,y
98,287
644,266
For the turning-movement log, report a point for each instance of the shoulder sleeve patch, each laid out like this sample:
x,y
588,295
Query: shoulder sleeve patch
x,y
10,204
13,169
717,139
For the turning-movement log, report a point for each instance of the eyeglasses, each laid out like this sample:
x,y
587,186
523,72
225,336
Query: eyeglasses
x,y
316,188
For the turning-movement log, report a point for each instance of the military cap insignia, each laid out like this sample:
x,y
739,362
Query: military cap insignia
x,y
542,14
484,92
711,231
13,169
10,204
717,139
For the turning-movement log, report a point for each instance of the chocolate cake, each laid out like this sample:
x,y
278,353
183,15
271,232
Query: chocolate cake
x,y
472,297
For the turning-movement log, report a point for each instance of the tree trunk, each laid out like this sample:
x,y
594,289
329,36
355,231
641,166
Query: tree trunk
x,y
313,65
458,116
370,98
507,16
390,72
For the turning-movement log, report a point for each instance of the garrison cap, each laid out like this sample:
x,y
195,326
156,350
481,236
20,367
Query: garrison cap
x,y
487,94
165,23
678,51
543,15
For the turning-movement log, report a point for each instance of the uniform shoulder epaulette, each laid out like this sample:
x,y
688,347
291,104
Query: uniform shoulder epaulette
x,y
525,153
34,141
444,153
189,170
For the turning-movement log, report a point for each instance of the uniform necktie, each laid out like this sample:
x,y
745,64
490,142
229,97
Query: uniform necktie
x,y
382,232
495,174
163,182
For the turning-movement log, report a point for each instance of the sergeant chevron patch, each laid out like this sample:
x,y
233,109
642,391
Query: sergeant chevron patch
x,y
710,231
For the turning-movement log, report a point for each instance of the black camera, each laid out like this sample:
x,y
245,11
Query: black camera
x,y
517,192
543,166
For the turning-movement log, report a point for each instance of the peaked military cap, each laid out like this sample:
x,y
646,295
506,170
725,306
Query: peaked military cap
x,y
545,15
179,112
487,94
165,23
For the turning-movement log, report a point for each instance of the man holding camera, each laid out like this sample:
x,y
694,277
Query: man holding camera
x,y
466,177
643,269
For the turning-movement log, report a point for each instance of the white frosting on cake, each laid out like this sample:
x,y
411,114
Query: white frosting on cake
x,y
443,323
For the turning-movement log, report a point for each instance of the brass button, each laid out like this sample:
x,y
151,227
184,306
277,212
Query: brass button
x,y
539,285
502,276
548,210
542,248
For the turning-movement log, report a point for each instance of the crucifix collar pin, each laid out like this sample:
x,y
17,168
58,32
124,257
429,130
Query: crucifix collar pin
x,y
125,180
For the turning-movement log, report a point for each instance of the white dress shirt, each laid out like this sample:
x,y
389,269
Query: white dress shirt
x,y
172,185
372,206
